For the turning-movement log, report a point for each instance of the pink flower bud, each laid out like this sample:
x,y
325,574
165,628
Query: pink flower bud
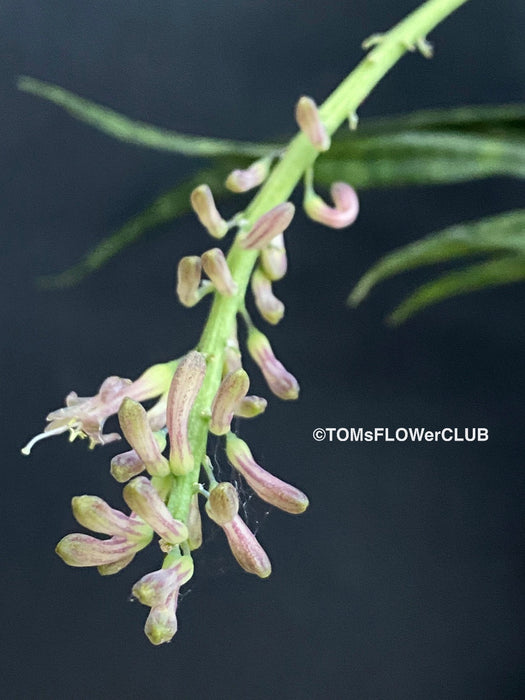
x,y
188,280
194,524
232,390
142,497
223,503
244,180
215,266
95,514
185,386
204,206
125,466
280,381
273,259
137,431
154,588
250,407
270,308
246,549
232,354
268,487
84,550
161,624
308,118
343,214
270,225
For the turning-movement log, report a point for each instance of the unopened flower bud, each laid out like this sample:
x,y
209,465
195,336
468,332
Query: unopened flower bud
x,y
270,225
95,514
309,120
273,259
204,206
270,308
215,266
84,550
232,390
223,503
267,486
161,624
185,386
343,214
154,588
244,180
137,431
125,466
280,381
246,549
250,407
142,497
188,280
194,524
232,354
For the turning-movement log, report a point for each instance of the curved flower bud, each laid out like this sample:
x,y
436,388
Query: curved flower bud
x,y
232,390
246,549
270,308
309,120
85,416
84,550
215,266
268,487
194,524
273,259
280,381
250,407
223,503
270,225
154,588
203,205
137,431
343,214
245,180
185,386
142,497
188,280
95,514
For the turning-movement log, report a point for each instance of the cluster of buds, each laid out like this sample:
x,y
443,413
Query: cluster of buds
x,y
197,394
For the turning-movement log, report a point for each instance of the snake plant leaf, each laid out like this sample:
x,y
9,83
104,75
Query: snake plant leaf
x,y
490,273
420,158
139,133
167,207
495,234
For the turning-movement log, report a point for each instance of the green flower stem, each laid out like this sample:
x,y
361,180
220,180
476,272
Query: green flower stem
x,y
299,156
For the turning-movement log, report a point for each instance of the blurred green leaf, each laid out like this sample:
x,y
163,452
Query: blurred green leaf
x,y
136,132
420,158
491,273
504,232
497,236
165,208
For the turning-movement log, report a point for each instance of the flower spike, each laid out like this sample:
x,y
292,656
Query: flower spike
x,y
203,205
309,121
268,487
185,386
270,225
281,382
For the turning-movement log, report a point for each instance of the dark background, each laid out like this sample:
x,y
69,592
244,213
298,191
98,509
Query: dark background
x,y
404,579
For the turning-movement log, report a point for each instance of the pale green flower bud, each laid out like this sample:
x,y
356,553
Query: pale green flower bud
x,y
273,259
244,180
185,386
270,308
84,550
204,206
215,266
137,431
95,514
250,407
161,624
188,280
154,588
142,497
309,120
223,503
232,390
194,524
